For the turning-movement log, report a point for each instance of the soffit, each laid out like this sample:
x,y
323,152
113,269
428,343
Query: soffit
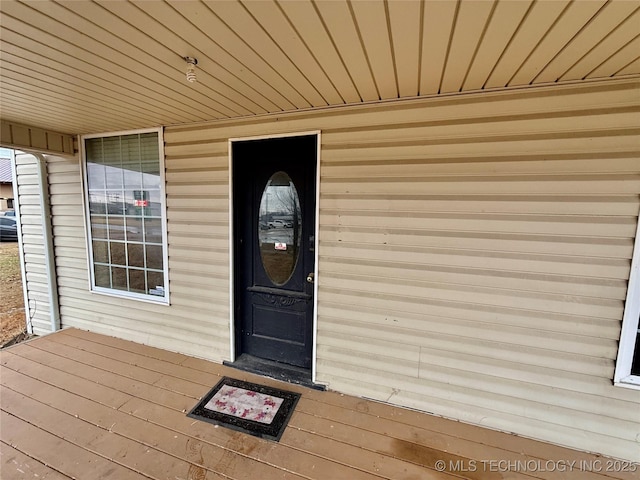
x,y
97,66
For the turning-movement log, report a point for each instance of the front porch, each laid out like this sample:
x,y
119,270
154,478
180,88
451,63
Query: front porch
x,y
81,405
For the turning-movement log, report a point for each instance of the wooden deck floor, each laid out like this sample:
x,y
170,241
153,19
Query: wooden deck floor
x,y
81,405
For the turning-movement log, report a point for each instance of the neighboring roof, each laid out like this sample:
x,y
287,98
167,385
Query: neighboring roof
x,y
83,67
6,175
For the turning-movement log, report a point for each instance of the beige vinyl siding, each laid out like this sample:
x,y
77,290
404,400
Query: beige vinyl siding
x,y
38,302
473,258
196,321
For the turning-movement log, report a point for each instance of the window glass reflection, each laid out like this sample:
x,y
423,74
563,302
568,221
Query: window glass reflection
x,y
279,228
125,201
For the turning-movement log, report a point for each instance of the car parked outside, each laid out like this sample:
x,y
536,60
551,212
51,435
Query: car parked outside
x,y
10,213
8,229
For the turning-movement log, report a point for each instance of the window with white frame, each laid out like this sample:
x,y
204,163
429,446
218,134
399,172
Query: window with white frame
x,y
125,214
628,364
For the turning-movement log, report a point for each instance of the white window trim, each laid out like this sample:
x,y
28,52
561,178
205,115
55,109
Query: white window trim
x,y
622,376
87,225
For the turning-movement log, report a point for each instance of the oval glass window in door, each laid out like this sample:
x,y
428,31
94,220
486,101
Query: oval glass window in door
x,y
279,228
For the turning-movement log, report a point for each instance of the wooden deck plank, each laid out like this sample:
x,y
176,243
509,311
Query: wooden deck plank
x,y
137,359
130,454
201,390
232,450
224,460
53,376
97,361
125,396
69,459
15,464
374,465
139,387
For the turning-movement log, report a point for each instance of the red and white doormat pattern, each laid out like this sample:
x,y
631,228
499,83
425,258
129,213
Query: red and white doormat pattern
x,y
245,404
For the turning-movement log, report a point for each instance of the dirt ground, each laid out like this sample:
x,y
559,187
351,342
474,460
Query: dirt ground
x,y
12,317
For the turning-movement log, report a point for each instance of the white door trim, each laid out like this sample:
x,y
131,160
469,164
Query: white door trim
x,y
232,329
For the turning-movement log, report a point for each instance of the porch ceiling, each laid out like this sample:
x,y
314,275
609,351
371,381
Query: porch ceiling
x,y
91,66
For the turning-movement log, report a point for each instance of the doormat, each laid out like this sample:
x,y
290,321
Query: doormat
x,y
247,407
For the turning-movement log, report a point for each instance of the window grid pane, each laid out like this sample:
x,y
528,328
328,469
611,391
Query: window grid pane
x,y
125,213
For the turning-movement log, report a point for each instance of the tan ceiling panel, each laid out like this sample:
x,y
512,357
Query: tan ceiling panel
x,y
51,60
632,69
337,16
505,20
39,85
97,41
406,22
28,63
170,48
373,23
284,34
314,34
533,29
154,55
83,56
206,21
89,67
622,59
569,24
626,32
468,31
605,20
187,40
236,16
439,19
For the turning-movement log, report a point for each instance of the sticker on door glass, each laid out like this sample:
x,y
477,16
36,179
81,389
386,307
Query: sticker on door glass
x,y
279,228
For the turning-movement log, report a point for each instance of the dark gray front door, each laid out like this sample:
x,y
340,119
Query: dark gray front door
x,y
274,239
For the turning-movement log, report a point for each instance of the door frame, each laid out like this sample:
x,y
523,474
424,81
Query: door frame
x,y
232,319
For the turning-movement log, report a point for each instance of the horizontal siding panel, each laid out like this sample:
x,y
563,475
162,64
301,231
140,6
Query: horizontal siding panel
x,y
490,241
486,185
554,167
183,150
123,313
209,202
497,147
197,188
382,363
173,341
200,216
568,389
459,202
30,190
207,176
30,211
66,189
68,221
526,282
559,265
429,333
480,129
581,225
514,326
219,162
508,298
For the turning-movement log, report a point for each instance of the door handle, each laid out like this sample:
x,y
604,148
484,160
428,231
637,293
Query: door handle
x,y
310,278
